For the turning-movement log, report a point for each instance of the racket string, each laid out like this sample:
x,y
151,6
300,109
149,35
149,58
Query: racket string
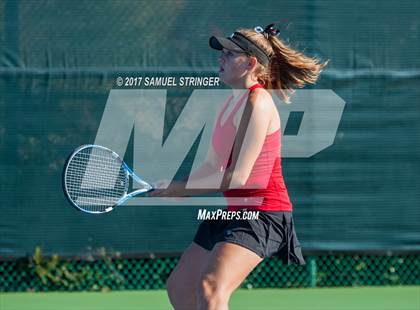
x,y
103,183
96,179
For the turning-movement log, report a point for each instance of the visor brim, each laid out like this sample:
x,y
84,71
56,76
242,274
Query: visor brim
x,y
218,43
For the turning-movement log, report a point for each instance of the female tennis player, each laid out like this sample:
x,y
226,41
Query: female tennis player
x,y
224,252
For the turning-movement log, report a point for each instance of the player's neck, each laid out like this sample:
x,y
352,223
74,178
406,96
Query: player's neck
x,y
242,85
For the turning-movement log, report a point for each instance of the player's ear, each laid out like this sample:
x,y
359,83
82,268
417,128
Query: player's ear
x,y
252,62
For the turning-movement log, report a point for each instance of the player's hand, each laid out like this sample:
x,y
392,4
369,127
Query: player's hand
x,y
166,188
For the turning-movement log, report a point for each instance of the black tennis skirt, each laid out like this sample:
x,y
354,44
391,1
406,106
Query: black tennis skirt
x,y
273,234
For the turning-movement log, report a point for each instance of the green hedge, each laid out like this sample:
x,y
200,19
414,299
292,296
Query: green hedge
x,y
111,272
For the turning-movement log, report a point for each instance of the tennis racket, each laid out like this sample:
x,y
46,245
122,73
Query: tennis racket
x,y
96,180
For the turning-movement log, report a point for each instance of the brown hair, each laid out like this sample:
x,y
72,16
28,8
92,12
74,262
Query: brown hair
x,y
288,68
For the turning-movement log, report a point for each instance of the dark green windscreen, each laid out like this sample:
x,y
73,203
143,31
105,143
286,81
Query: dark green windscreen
x,y
60,59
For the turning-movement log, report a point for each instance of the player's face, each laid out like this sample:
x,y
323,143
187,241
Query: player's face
x,y
234,67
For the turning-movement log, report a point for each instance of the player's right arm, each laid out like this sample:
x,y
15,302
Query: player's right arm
x,y
211,162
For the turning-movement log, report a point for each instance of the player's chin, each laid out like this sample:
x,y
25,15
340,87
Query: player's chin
x,y
224,78
222,74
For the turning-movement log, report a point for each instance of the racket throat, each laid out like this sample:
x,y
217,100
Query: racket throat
x,y
135,193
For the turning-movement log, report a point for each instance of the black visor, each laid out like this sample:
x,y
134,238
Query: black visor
x,y
239,43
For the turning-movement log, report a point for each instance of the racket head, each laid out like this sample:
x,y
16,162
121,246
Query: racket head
x,y
95,179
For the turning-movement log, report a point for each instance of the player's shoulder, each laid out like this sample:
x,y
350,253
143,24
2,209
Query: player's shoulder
x,y
261,99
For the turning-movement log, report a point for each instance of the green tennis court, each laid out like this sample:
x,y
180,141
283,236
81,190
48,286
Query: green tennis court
x,y
369,298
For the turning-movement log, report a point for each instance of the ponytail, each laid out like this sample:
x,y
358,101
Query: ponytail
x,y
288,68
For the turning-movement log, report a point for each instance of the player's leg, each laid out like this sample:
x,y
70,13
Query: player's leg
x,y
227,266
182,283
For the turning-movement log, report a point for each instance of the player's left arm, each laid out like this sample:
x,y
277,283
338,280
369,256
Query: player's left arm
x,y
258,111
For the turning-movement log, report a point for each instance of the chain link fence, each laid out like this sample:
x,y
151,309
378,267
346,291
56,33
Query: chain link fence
x,y
112,273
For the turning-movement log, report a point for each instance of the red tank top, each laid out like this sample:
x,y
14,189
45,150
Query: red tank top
x,y
265,188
